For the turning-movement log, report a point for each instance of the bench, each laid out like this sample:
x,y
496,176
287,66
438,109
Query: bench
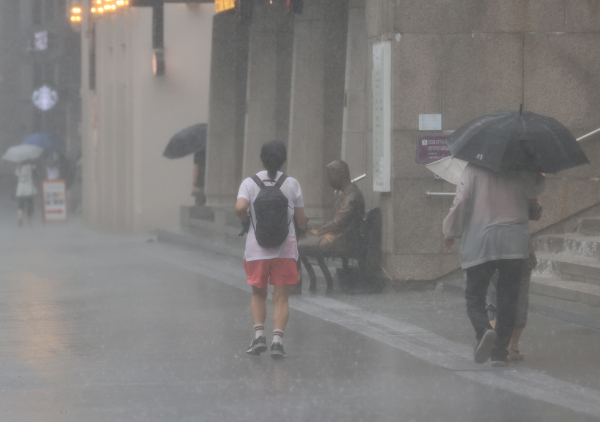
x,y
365,278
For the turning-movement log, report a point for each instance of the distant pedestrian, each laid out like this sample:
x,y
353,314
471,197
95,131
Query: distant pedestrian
x,y
267,204
490,216
26,190
53,166
535,213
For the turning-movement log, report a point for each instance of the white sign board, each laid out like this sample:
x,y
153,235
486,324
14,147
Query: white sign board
x,y
54,200
382,116
430,122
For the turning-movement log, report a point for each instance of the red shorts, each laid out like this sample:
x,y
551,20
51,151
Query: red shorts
x,y
276,272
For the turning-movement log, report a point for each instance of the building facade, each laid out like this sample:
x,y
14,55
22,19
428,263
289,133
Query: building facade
x,y
129,113
38,48
366,80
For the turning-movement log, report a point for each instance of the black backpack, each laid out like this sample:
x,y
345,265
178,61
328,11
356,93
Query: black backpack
x,y
271,213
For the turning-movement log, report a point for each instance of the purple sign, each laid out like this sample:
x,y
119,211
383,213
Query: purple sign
x,y
431,148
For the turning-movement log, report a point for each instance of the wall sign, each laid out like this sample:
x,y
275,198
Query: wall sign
x,y
45,98
40,41
382,116
54,200
432,148
430,122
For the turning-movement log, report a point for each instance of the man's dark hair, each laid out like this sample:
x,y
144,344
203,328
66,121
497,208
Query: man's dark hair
x,y
273,154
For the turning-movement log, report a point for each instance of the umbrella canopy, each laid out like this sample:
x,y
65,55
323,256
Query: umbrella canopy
x,y
43,140
513,141
187,141
20,153
448,169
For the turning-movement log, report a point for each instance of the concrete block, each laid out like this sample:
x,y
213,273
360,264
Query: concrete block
x,y
591,148
386,204
369,90
562,198
438,16
314,10
451,260
413,267
582,16
562,74
357,50
355,111
268,17
417,78
379,17
417,219
524,16
482,73
354,153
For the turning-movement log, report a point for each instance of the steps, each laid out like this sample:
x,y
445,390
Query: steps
x,y
569,264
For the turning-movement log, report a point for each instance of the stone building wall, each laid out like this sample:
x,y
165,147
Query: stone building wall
x,y
465,58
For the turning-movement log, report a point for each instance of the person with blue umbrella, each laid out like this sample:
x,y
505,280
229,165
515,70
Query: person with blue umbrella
x,y
44,140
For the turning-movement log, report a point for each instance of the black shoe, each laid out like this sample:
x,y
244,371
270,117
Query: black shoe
x,y
257,346
500,362
277,351
484,347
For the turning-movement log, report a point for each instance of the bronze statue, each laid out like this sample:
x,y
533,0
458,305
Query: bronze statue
x,y
338,235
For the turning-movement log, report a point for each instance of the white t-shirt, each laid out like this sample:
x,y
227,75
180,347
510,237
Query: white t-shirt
x,y
291,189
25,185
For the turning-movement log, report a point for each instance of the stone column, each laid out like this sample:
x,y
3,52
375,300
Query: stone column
x,y
316,114
354,146
269,79
227,109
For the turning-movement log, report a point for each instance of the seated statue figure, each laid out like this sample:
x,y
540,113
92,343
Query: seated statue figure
x,y
338,235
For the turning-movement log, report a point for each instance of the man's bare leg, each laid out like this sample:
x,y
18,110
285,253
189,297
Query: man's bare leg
x,y
258,305
281,313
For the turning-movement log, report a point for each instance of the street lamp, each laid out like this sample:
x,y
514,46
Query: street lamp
x,y
75,15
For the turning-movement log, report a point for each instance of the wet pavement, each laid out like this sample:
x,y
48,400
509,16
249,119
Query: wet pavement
x,y
97,327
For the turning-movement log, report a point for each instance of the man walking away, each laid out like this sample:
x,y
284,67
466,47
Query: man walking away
x,y
490,216
273,200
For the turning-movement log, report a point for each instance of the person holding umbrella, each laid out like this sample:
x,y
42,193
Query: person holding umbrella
x,y
26,190
24,155
191,140
507,153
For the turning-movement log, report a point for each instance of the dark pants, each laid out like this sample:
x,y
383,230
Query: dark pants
x,y
26,204
478,279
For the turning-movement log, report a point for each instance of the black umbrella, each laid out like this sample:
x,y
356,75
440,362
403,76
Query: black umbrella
x,y
187,141
513,141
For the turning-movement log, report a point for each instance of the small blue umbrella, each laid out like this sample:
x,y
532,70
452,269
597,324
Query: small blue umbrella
x,y
43,140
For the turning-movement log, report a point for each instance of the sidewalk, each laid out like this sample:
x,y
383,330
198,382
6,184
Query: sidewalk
x,y
561,338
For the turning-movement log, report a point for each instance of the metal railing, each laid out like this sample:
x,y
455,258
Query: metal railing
x,y
430,194
588,134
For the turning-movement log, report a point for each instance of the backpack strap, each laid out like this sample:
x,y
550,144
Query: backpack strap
x,y
258,181
281,180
